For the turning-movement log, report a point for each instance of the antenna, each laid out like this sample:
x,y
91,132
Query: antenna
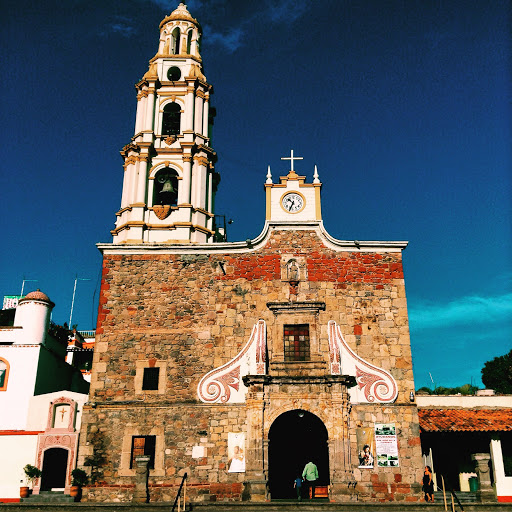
x,y
73,300
26,281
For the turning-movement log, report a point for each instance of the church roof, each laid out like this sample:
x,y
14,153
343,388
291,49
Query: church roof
x,y
465,420
181,13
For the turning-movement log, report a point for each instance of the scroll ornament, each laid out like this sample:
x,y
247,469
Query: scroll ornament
x,y
373,384
224,384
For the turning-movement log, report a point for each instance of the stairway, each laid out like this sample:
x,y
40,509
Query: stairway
x,y
48,497
464,497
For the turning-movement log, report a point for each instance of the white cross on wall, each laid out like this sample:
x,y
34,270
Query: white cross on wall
x,y
291,158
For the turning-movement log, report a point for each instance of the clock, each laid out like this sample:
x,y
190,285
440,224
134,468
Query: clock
x,y
292,202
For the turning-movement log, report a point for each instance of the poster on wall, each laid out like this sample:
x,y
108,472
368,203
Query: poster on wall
x,y
236,452
386,445
365,447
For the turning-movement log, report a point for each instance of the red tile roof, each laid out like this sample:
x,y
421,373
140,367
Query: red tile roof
x,y
465,420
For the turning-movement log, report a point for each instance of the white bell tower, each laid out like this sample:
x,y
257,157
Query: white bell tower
x,y
169,176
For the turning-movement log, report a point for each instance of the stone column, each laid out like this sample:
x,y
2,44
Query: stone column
x,y
485,491
141,492
255,483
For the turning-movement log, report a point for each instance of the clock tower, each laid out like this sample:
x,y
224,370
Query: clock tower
x,y
292,200
169,175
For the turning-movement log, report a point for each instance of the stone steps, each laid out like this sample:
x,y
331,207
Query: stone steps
x,y
48,497
464,497
253,507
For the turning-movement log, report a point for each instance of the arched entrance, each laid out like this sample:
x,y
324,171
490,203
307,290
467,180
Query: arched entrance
x,y
55,465
295,438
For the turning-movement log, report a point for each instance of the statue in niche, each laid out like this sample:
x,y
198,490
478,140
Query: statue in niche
x,y
293,271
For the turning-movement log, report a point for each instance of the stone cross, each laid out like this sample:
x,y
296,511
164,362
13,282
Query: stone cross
x,y
291,158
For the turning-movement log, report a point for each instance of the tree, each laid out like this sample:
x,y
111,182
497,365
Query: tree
x,y
497,374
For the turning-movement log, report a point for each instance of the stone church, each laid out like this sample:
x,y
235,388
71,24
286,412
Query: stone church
x,y
238,363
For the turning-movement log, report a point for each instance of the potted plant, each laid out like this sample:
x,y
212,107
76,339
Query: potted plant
x,y
31,474
78,479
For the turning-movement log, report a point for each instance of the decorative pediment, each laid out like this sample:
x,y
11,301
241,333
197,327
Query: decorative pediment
x,y
373,384
224,384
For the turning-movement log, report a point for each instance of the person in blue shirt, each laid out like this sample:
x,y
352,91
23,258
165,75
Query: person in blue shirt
x,y
297,483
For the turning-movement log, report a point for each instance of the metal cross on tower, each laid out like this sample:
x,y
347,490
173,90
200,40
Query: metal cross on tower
x,y
291,158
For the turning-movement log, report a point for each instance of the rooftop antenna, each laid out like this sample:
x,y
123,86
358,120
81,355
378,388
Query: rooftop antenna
x,y
435,387
26,281
73,300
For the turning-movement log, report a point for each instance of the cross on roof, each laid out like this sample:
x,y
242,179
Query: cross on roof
x,y
291,158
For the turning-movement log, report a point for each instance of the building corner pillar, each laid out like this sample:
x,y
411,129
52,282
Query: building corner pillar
x,y
485,492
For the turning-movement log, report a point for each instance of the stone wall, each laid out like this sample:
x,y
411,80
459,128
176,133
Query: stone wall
x,y
189,314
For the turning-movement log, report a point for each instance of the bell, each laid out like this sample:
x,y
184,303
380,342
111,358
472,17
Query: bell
x,y
167,187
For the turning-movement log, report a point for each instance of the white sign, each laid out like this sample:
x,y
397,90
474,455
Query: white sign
x,y
386,445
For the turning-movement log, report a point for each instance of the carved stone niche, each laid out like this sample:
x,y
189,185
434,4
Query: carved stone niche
x,y
293,268
295,314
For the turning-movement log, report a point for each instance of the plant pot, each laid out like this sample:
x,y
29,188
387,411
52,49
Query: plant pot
x,y
75,491
24,492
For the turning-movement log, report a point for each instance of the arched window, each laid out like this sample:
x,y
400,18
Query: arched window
x,y
166,187
175,50
189,41
4,374
171,119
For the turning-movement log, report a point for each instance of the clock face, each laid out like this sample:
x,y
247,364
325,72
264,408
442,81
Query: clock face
x,y
292,202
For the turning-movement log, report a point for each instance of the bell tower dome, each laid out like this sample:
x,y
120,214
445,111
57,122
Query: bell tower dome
x,y
169,166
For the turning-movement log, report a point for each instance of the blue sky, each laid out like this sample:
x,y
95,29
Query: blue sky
x,y
403,105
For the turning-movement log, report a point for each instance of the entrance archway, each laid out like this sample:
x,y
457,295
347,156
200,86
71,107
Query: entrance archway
x,y
55,464
295,438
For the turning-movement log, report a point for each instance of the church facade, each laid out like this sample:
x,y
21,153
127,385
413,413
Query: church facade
x,y
238,363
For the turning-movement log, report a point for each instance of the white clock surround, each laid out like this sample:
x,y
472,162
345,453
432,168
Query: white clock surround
x,y
292,183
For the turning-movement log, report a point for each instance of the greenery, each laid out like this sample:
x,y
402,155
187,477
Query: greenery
x,y
59,332
79,477
497,374
31,473
466,389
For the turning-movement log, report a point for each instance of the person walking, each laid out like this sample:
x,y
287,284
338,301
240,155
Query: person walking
x,y
298,487
310,476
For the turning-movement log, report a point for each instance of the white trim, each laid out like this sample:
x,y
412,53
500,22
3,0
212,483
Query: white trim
x,y
255,244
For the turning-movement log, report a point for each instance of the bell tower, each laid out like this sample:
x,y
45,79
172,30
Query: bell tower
x,y
169,166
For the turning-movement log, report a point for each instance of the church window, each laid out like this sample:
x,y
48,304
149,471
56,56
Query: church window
x,y
143,445
296,342
4,374
171,119
189,41
166,187
150,378
175,41
174,73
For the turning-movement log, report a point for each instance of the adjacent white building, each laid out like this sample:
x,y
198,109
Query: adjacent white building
x,y
41,397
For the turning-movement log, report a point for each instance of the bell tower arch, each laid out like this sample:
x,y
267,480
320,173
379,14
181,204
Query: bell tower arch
x,y
172,133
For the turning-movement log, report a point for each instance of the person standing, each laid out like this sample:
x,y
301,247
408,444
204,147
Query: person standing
x,y
428,484
310,476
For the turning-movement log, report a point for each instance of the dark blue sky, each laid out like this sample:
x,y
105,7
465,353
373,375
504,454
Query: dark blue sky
x,y
403,105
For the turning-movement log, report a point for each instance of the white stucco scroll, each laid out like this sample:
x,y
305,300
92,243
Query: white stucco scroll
x,y
373,383
224,384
